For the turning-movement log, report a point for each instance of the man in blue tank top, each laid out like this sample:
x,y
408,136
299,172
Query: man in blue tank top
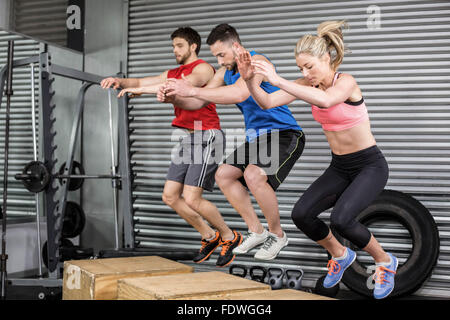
x,y
274,142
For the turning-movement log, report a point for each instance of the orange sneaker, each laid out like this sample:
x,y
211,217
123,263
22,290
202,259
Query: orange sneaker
x,y
226,255
207,248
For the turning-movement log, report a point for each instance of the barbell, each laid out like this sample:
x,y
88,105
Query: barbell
x,y
36,177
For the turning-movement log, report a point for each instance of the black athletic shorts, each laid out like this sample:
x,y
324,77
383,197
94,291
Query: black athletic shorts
x,y
275,152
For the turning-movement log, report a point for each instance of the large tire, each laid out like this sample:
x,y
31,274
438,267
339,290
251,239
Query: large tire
x,y
413,216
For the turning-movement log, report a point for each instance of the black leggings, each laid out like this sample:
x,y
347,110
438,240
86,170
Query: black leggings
x,y
350,184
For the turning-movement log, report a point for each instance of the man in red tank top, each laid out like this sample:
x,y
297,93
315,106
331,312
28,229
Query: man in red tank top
x,y
202,144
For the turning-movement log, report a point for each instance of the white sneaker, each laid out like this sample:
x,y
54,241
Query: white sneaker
x,y
252,240
272,246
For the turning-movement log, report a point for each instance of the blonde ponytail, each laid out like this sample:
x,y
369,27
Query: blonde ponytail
x,y
329,39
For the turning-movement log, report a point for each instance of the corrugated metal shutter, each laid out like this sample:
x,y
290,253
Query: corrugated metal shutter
x,y
42,19
402,68
20,201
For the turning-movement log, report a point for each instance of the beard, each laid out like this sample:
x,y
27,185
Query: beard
x,y
231,66
182,59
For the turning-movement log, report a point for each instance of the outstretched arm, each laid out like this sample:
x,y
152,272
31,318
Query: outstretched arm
x,y
133,82
187,102
264,99
325,99
229,94
180,102
199,76
137,91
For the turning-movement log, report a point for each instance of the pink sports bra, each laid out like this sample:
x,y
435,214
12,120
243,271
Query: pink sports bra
x,y
341,116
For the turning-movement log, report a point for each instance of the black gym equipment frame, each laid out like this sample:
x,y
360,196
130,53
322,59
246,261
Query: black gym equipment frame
x,y
55,195
9,93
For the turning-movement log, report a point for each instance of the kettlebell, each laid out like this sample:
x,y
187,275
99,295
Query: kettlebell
x,y
258,277
294,278
238,270
275,278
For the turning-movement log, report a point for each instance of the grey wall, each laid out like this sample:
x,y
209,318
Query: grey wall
x,y
21,246
5,14
103,55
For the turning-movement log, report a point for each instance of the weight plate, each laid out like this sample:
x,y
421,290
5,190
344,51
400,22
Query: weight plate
x,y
74,183
74,220
39,176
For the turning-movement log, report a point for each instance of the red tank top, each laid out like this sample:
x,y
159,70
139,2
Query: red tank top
x,y
185,118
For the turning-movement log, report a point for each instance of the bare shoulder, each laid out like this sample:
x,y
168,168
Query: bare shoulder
x,y
203,68
260,57
345,77
346,80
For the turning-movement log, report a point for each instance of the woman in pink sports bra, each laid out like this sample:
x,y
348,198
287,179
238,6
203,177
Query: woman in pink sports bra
x,y
358,171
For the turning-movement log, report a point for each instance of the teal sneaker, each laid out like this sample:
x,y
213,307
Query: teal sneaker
x,y
336,268
384,278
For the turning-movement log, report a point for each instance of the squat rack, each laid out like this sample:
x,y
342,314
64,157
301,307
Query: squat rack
x,y
55,195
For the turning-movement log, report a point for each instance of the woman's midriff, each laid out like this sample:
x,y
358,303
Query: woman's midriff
x,y
351,140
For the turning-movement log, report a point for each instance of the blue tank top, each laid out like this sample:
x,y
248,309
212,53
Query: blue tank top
x,y
257,120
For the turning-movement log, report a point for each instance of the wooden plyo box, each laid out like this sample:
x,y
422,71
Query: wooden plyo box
x,y
199,286
97,279
282,294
